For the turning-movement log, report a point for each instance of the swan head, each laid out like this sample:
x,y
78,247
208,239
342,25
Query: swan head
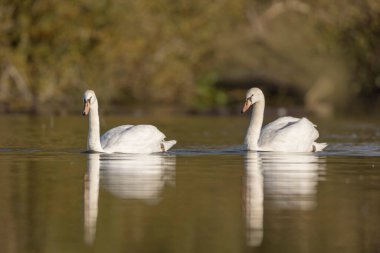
x,y
89,98
253,96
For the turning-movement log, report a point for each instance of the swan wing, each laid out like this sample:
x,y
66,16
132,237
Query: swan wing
x,y
108,137
288,134
134,139
271,129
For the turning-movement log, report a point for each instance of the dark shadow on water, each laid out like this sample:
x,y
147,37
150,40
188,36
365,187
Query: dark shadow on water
x,y
351,149
333,149
208,151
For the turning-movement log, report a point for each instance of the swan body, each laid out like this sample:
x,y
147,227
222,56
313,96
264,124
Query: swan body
x,y
121,139
286,134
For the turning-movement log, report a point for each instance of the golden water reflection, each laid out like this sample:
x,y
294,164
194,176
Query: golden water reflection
x,y
281,180
133,177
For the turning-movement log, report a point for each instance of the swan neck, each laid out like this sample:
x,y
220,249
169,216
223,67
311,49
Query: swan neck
x,y
93,142
254,129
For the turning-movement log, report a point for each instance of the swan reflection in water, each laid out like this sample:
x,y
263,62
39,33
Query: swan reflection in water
x,y
284,180
138,177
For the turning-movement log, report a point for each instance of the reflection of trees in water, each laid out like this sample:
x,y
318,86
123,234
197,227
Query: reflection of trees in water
x,y
133,177
285,181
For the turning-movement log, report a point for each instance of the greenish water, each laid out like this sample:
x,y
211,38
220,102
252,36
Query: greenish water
x,y
206,195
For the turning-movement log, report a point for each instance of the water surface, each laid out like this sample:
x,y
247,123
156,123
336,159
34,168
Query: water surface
x,y
206,195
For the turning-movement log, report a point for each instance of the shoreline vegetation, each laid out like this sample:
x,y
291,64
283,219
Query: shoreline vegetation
x,y
191,56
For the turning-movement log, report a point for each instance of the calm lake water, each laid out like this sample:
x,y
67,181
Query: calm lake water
x,y
206,195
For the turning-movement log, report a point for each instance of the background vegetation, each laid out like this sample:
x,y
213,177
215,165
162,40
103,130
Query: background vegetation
x,y
192,54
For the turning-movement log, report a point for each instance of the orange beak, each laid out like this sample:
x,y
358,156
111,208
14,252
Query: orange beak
x,y
246,106
86,108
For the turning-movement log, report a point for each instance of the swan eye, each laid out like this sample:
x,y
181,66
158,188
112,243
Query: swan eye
x,y
250,98
87,100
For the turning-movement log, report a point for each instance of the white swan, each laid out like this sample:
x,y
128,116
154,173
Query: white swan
x,y
284,134
121,139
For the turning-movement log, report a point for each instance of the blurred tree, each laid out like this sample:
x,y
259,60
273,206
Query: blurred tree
x,y
169,52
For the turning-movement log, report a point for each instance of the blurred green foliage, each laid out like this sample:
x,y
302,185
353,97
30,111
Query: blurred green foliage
x,y
208,95
174,52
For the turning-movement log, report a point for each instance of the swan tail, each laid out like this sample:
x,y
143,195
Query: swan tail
x,y
166,145
318,146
